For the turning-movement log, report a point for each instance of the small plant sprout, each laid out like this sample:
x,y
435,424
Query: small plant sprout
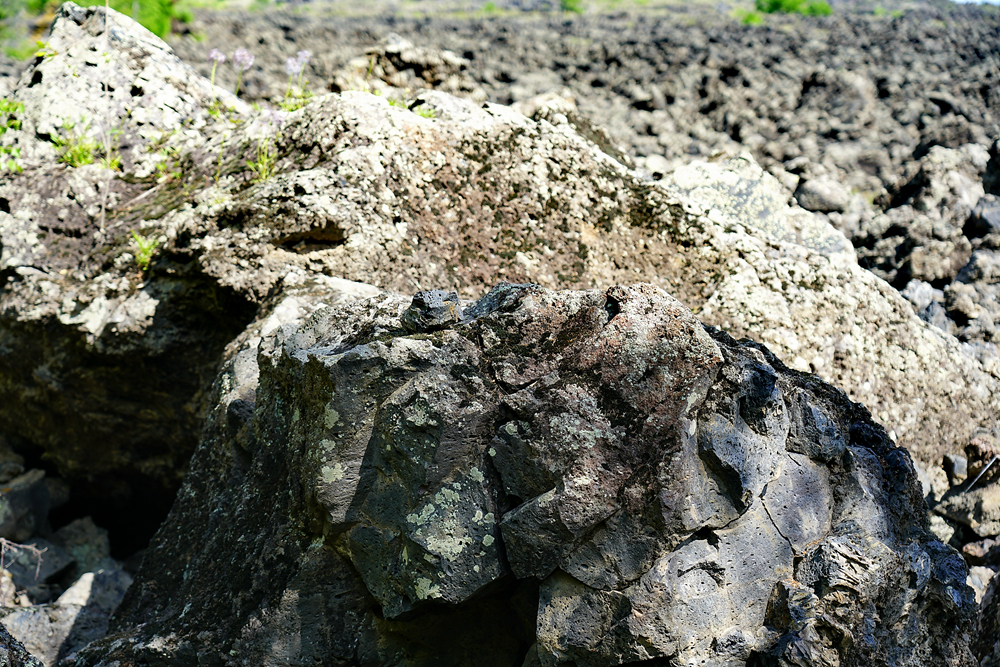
x,y
8,121
265,165
426,112
243,60
44,50
145,247
75,149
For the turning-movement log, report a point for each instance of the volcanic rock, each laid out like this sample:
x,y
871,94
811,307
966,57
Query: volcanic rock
x,y
458,196
576,477
13,652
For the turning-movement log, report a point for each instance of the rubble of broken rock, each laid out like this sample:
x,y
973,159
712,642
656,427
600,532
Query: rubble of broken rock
x,y
58,588
777,517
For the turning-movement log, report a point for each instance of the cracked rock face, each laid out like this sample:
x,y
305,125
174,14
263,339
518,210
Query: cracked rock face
x,y
566,478
375,193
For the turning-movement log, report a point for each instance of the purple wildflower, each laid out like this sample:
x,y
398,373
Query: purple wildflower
x,y
216,56
303,57
293,66
243,59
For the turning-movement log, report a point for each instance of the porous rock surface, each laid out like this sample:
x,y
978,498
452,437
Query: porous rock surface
x,y
373,193
589,478
13,653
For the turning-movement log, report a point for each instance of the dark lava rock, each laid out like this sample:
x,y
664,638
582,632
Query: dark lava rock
x,y
563,478
107,367
987,646
13,653
431,310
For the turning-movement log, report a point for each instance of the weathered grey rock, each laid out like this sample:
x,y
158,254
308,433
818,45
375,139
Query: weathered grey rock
x,y
80,615
385,497
379,194
431,310
30,572
24,506
984,552
397,63
100,369
13,653
979,579
978,508
987,644
11,463
102,590
86,543
985,218
823,195
52,632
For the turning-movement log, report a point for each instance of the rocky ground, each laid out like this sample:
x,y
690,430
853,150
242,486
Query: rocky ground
x,y
876,140
844,110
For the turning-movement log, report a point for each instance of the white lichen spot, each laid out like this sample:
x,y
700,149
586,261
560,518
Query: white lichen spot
x,y
475,568
427,589
492,452
420,519
333,474
489,517
330,417
327,444
295,416
456,486
488,540
446,495
478,516
476,474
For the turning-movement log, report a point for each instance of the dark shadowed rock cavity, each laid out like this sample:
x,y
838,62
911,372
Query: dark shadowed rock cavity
x,y
584,478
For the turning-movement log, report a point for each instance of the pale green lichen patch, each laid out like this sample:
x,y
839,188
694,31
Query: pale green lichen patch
x,y
295,416
487,540
332,474
420,519
330,417
476,474
427,589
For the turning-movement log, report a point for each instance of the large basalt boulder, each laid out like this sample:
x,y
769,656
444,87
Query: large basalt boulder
x,y
459,196
556,478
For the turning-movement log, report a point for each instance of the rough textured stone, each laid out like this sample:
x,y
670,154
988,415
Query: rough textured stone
x,y
823,195
987,644
24,506
52,632
376,193
13,653
681,496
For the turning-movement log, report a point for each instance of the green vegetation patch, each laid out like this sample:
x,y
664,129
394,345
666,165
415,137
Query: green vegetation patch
x,y
157,16
807,7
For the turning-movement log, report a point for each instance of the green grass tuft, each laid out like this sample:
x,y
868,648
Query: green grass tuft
x,y
807,7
